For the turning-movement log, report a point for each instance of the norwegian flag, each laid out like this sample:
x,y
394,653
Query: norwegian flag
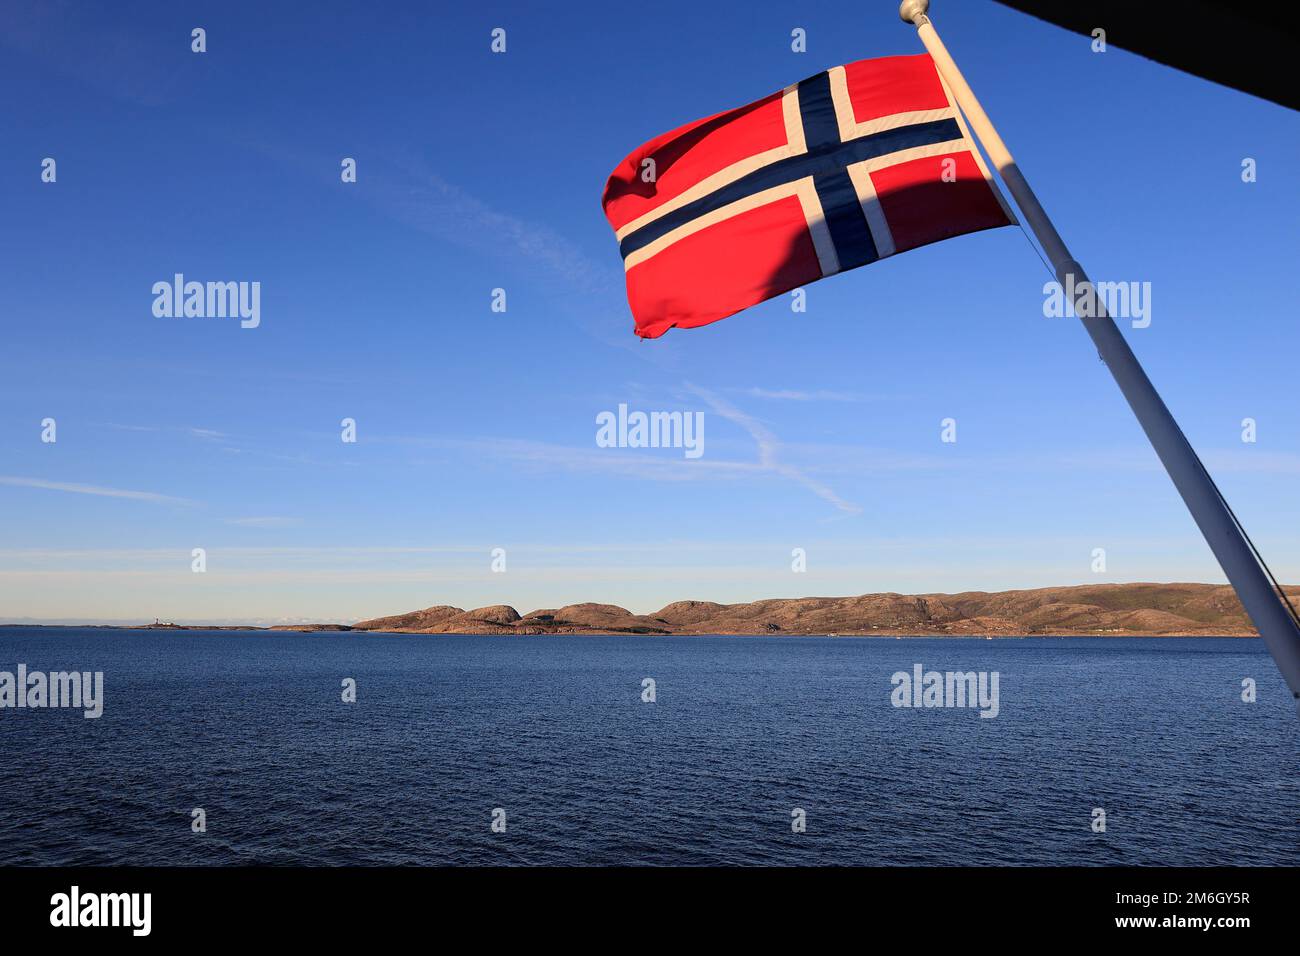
x,y
839,170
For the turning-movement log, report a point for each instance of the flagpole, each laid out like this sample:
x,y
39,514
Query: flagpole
x,y
1271,617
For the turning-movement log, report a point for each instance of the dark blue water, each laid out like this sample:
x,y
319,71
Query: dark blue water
x,y
252,728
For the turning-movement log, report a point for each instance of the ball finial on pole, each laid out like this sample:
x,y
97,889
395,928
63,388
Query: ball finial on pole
x,y
912,10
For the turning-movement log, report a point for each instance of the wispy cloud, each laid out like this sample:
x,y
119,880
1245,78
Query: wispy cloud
x,y
769,448
632,464
405,188
264,521
426,201
773,458
206,434
794,395
96,490
1248,459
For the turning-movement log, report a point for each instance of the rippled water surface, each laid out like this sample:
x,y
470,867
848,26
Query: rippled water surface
x,y
553,730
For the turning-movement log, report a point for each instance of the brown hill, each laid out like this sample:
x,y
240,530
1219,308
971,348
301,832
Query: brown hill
x,y
1118,609
424,620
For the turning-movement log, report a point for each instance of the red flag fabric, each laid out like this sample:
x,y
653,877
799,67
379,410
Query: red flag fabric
x,y
834,172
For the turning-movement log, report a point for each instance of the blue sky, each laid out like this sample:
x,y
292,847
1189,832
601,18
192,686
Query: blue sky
x,y
476,429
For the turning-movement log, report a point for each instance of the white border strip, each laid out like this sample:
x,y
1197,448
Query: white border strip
x,y
875,215
794,146
814,217
850,128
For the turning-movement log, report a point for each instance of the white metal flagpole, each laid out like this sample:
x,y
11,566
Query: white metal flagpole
x,y
1271,617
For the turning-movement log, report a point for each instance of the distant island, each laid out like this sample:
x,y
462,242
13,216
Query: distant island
x,y
1119,610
